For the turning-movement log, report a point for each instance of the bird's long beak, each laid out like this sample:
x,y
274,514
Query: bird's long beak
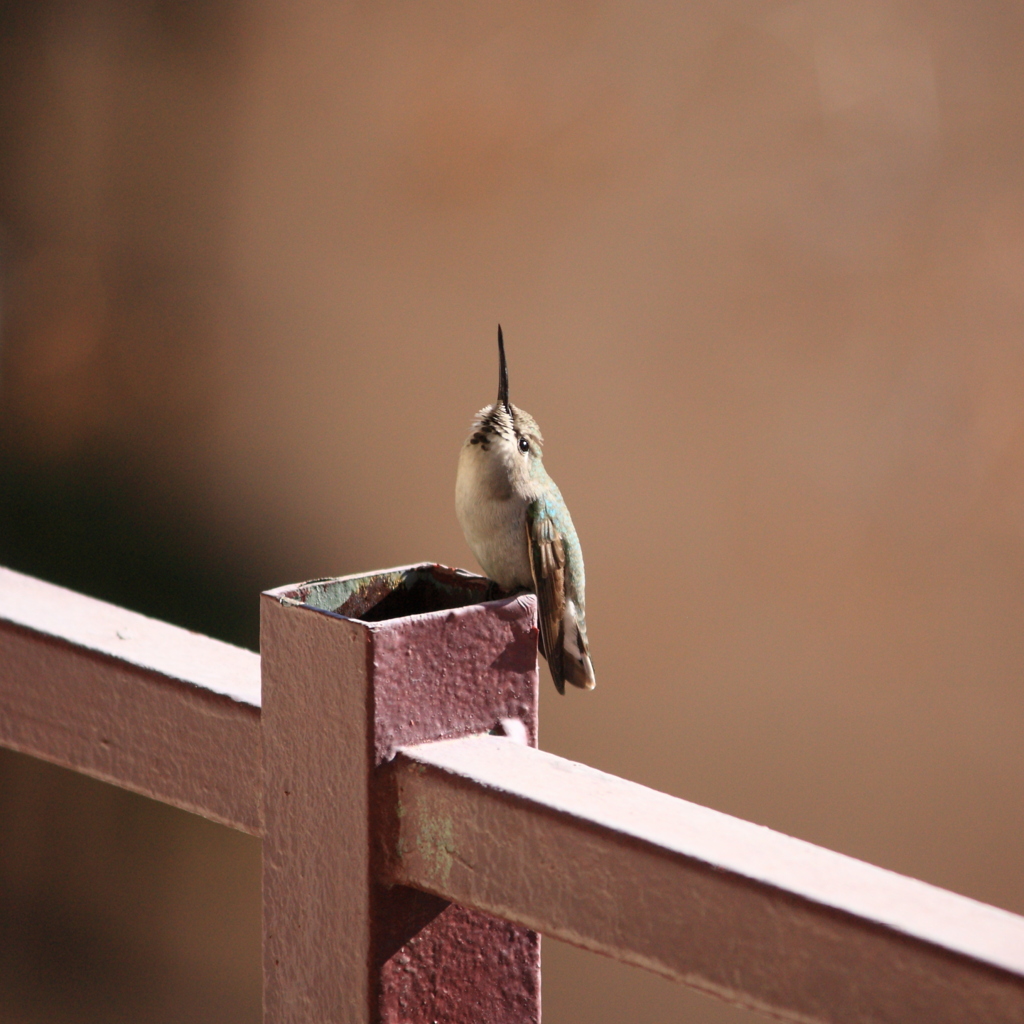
x,y
503,375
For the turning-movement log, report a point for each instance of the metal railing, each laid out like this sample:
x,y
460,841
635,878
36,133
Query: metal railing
x,y
415,841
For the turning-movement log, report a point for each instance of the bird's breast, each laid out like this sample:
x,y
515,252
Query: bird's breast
x,y
493,518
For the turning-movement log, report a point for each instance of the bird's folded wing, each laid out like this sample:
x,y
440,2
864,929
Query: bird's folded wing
x,y
547,560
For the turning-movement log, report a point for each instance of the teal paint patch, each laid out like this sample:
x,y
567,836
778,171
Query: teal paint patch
x,y
333,594
377,597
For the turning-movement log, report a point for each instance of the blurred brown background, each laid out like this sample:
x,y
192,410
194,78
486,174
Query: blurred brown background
x,y
761,272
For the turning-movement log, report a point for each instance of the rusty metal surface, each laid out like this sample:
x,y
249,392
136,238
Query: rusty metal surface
x,y
467,967
130,700
340,694
756,917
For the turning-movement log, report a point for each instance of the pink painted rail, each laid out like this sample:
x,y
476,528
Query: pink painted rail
x,y
381,797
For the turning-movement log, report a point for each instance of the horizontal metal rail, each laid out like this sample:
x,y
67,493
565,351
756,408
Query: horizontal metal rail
x,y
130,700
758,918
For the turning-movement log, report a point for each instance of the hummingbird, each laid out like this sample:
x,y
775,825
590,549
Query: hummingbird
x,y
518,527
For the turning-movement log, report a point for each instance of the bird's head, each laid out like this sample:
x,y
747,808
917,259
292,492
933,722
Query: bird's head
x,y
505,435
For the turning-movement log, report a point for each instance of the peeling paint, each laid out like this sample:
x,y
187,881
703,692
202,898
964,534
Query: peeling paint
x,y
436,845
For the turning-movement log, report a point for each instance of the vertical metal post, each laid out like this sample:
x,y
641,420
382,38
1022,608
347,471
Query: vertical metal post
x,y
352,669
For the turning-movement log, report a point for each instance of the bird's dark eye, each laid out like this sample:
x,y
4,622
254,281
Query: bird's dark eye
x,y
524,445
